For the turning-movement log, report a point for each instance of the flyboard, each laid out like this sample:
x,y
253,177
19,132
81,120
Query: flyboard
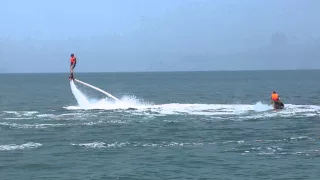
x,y
96,88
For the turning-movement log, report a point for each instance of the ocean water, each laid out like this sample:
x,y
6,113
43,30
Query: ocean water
x,y
170,125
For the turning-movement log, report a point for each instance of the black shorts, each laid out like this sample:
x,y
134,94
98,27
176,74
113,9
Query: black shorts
x,y
73,65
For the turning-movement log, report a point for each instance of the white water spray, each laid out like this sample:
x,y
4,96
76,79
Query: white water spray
x,y
259,107
251,111
81,98
126,102
98,89
85,103
248,111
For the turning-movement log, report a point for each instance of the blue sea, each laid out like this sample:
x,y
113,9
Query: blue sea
x,y
165,125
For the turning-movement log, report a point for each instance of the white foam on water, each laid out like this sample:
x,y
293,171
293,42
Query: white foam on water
x,y
21,113
18,118
91,145
258,146
138,107
136,144
29,126
11,147
100,145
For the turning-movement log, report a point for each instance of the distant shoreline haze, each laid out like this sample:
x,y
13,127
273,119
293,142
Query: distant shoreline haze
x,y
138,36
39,56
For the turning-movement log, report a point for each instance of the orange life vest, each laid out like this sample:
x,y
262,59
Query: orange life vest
x,y
73,59
275,97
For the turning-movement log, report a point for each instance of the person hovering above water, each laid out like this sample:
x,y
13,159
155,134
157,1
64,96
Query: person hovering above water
x,y
73,62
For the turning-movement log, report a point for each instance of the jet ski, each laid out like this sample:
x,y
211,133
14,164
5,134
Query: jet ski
x,y
278,104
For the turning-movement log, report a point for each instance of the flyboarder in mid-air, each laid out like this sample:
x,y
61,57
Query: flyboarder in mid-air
x,y
73,62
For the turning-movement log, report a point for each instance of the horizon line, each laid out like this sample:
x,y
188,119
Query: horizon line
x,y
163,71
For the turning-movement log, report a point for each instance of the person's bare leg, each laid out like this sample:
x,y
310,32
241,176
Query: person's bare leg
x,y
71,69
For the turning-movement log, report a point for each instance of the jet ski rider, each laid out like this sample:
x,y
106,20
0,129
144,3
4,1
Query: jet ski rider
x,y
274,97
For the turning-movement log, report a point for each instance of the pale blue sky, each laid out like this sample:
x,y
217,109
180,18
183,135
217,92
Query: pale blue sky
x,y
139,35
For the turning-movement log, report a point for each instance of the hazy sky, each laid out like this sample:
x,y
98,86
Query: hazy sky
x,y
139,35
